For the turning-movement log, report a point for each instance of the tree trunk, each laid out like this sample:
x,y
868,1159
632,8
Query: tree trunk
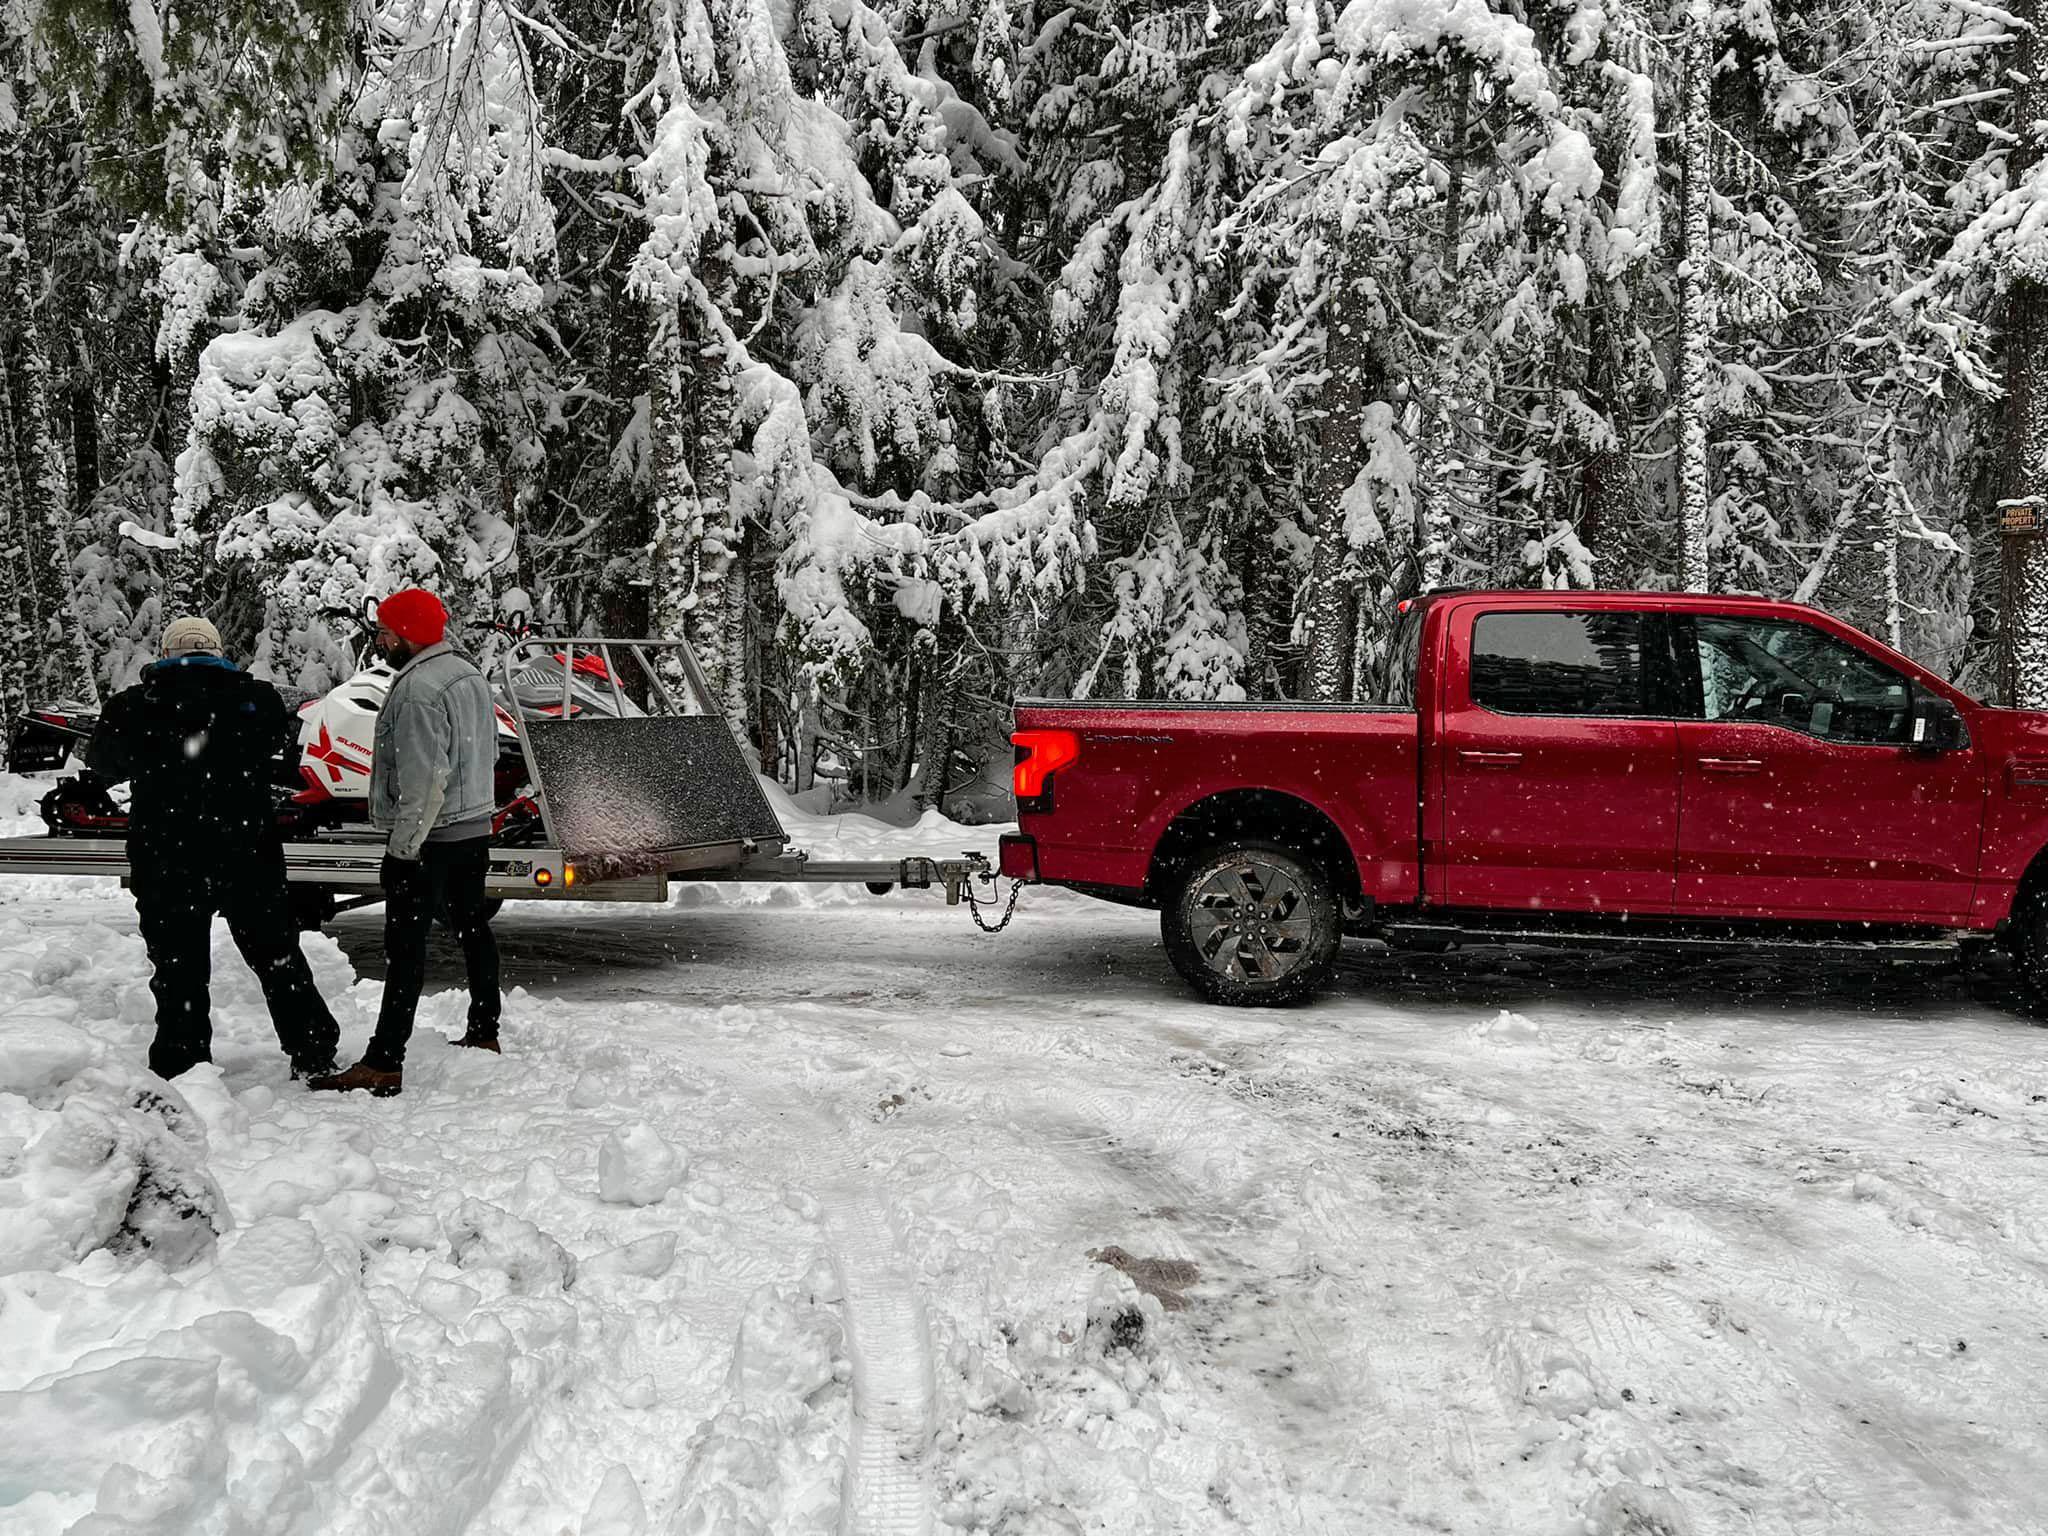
x,y
808,733
1330,607
17,618
735,613
674,492
935,723
758,573
1695,334
1894,607
623,589
85,433
1610,508
42,458
2023,658
1255,574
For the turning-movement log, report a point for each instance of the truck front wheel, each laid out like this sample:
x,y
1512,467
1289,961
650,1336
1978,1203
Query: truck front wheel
x,y
2028,940
1253,924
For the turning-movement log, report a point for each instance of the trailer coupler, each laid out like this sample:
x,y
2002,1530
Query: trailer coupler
x,y
959,877
919,873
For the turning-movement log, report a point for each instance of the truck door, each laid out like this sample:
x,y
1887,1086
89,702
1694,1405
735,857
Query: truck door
x,y
1801,796
1560,784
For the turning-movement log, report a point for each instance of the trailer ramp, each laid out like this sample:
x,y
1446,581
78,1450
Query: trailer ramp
x,y
627,797
655,786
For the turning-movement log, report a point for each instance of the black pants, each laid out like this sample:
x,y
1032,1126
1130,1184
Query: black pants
x,y
448,881
176,908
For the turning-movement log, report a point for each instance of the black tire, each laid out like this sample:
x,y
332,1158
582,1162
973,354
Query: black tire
x,y
2028,939
1236,946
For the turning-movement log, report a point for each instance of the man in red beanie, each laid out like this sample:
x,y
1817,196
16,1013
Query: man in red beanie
x,y
431,791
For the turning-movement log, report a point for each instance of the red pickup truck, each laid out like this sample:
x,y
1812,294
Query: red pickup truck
x,y
1556,766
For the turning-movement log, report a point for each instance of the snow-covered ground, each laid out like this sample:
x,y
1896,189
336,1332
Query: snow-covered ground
x,y
788,1213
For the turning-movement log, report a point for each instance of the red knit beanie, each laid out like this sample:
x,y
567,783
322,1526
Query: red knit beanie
x,y
415,616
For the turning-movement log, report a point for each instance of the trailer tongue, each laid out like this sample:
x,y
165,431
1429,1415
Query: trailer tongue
x,y
626,805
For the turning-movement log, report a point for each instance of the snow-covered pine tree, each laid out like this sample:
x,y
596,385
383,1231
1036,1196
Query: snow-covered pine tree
x,y
1978,305
62,660
1424,294
2018,216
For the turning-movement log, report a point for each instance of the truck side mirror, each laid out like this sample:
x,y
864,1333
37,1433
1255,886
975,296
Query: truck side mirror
x,y
1936,725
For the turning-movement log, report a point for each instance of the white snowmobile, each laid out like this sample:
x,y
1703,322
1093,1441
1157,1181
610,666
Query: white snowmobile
x,y
334,747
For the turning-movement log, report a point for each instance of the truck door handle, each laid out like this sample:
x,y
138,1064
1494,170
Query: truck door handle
x,y
1490,759
1732,764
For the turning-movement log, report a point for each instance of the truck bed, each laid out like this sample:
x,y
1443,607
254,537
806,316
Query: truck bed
x,y
1143,766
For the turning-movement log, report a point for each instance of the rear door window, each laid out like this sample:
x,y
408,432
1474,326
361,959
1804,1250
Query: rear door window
x,y
1559,664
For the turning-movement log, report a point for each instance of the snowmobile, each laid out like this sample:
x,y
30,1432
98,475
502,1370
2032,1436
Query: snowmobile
x,y
323,778
336,732
44,738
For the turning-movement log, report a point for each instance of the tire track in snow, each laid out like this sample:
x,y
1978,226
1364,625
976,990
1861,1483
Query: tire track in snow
x,y
1133,1161
888,1342
887,1489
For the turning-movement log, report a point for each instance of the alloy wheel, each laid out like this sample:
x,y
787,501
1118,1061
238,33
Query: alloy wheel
x,y
1250,920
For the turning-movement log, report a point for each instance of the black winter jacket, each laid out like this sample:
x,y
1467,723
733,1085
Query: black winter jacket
x,y
199,739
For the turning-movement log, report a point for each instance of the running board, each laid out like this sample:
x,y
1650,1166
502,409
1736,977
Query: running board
x,y
1939,945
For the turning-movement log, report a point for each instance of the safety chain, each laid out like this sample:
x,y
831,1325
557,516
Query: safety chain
x,y
1009,911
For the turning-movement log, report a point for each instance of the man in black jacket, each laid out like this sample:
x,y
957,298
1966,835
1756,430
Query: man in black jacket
x,y
197,736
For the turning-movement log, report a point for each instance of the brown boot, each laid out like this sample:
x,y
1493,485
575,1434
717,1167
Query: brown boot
x,y
480,1042
362,1075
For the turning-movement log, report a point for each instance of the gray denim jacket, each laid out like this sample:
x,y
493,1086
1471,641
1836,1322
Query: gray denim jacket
x,y
436,749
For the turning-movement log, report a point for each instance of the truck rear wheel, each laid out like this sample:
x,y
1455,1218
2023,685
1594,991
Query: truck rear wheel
x,y
1253,924
2028,939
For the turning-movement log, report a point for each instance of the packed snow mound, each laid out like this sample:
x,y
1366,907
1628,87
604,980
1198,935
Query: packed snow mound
x,y
1508,1028
220,1314
96,1155
20,794
481,1236
113,1161
637,1167
772,1461
216,1405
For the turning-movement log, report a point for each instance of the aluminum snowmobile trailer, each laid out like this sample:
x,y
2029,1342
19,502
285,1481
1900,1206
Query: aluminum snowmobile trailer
x,y
625,803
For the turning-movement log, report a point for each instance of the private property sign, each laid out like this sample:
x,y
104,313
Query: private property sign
x,y
2020,516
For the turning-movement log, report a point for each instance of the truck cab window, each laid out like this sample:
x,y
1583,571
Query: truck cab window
x,y
1558,664
1775,672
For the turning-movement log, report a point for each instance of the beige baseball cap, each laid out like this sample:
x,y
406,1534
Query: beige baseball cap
x,y
191,636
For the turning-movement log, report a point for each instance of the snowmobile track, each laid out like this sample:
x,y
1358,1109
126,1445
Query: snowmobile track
x,y
888,1340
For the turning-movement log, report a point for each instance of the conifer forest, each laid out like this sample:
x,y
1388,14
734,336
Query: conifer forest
x,y
912,357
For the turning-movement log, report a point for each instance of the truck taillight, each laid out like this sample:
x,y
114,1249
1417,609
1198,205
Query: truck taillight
x,y
1041,754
